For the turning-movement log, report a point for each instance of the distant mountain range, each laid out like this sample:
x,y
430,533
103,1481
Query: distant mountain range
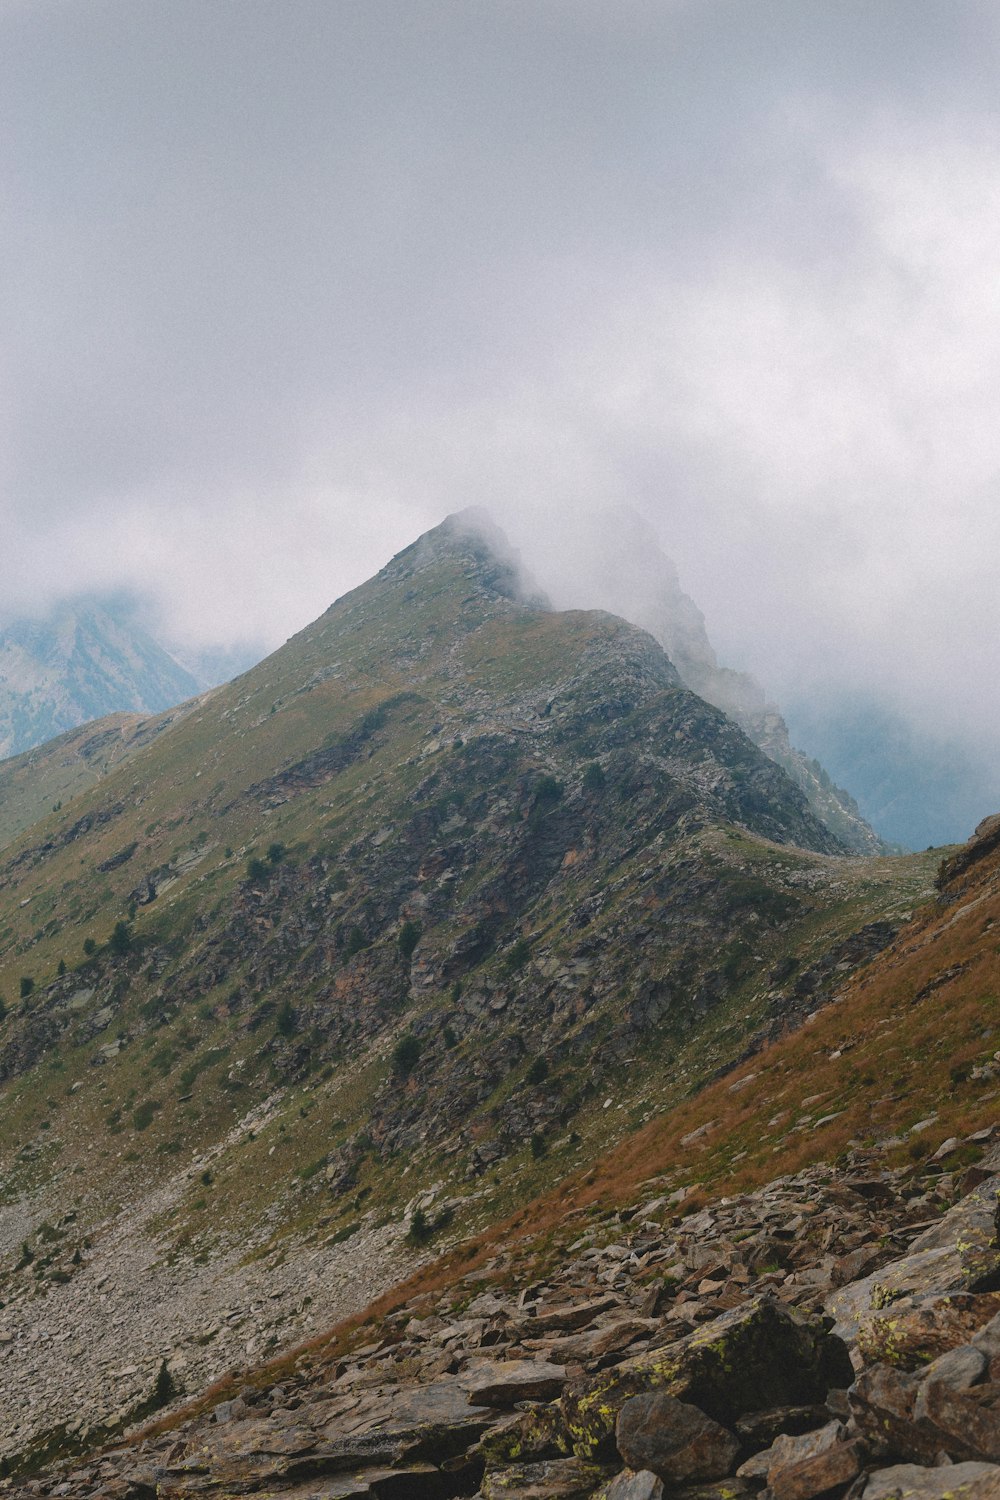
x,y
916,788
88,658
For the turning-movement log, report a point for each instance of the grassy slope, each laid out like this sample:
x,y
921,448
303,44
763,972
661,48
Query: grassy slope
x,y
912,1039
97,1137
40,781
912,1042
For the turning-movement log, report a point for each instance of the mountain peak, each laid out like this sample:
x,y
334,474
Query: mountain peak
x,y
620,565
86,658
383,922
473,538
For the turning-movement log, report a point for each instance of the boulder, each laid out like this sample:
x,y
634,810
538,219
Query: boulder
x,y
760,1428
753,1357
907,1418
567,1316
911,1330
414,1482
813,1463
754,1469
958,1254
425,1422
553,1479
988,1339
595,1343
629,1486
947,1482
510,1381
966,1424
674,1440
960,1368
882,1402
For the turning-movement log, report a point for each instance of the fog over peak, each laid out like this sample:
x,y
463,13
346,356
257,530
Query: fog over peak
x,y
285,285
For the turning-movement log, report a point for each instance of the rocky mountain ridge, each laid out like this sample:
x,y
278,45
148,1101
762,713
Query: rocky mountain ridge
x,y
426,909
622,568
405,927
40,780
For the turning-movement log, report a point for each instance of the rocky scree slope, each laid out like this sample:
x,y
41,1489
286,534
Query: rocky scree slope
x,y
835,1333
412,919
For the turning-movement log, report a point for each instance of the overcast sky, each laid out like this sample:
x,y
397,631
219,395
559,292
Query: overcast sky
x,y
284,283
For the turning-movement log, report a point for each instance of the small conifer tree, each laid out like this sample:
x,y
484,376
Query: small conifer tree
x,y
409,937
356,942
120,941
165,1387
406,1055
420,1229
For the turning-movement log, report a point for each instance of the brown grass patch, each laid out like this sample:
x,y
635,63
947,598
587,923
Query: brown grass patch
x,y
892,1050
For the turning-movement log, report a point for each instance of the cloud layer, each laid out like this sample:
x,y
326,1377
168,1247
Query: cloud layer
x,y
284,284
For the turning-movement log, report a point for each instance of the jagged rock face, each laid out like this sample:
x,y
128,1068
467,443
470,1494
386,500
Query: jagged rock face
x,y
550,801
984,843
84,661
633,577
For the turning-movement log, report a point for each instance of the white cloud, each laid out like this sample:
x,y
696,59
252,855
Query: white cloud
x,y
734,265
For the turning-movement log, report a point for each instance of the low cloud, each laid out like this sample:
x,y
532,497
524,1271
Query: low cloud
x,y
281,295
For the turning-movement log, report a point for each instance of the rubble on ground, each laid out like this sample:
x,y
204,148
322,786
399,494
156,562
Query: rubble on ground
x,y
833,1334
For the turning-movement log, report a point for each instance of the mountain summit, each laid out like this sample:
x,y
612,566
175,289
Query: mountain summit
x,y
407,922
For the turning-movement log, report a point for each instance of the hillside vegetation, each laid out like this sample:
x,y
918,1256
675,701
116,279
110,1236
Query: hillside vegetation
x,y
363,951
608,1320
